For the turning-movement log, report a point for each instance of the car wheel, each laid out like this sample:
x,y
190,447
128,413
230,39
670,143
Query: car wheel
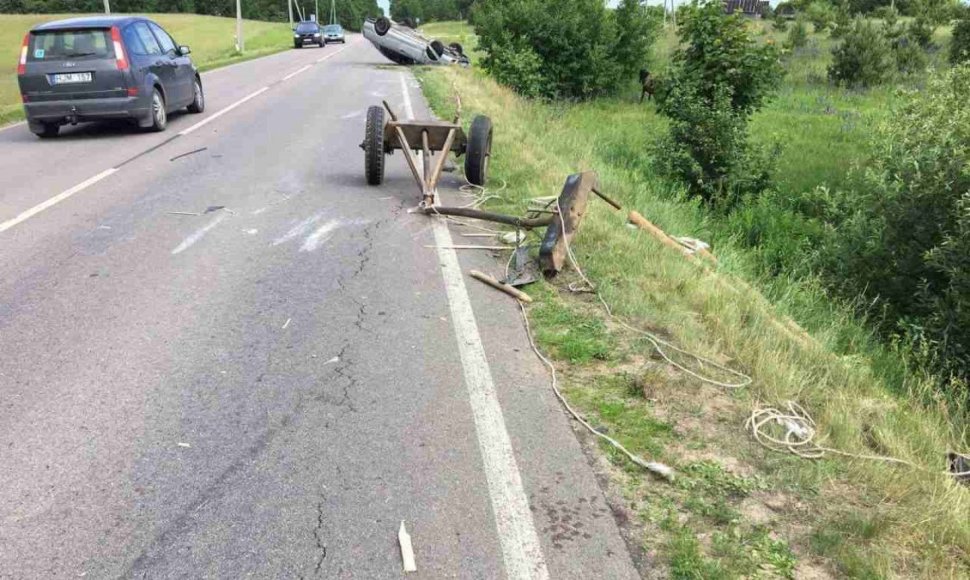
x,y
478,150
48,130
374,146
382,26
198,100
322,44
159,115
297,45
456,47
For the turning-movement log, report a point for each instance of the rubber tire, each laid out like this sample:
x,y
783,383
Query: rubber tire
x,y
374,146
456,47
381,26
49,131
477,150
198,100
159,121
322,43
297,45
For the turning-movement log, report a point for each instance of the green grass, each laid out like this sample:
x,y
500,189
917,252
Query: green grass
x,y
211,38
863,396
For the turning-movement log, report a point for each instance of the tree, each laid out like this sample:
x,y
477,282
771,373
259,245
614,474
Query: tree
x,y
715,82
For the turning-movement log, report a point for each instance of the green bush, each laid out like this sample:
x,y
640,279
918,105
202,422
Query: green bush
x,y
864,57
715,82
798,35
903,238
821,14
960,42
910,57
563,48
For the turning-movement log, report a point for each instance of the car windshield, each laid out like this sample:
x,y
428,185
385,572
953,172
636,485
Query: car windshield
x,y
69,44
305,27
333,28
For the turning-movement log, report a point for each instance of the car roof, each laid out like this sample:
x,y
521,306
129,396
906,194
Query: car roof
x,y
87,22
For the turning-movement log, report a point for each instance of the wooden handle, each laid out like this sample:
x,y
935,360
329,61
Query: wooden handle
x,y
644,224
510,290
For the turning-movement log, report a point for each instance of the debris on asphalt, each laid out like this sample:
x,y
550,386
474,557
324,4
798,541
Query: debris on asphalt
x,y
187,153
516,237
470,247
407,551
335,359
524,271
287,323
180,444
510,290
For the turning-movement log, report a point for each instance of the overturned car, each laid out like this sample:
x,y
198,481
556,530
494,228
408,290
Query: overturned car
x,y
405,46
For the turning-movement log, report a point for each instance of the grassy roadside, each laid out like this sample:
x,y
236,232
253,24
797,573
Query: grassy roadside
x,y
211,38
736,510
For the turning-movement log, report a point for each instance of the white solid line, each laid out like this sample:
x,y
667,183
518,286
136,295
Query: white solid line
x,y
296,72
215,116
55,200
521,550
198,235
12,125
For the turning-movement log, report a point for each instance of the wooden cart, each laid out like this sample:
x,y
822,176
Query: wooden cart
x,y
426,137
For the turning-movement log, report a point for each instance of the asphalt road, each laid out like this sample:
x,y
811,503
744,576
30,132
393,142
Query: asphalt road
x,y
268,389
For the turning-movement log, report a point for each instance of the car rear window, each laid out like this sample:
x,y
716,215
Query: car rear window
x,y
305,28
88,44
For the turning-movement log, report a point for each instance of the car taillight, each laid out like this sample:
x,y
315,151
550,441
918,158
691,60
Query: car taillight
x,y
120,58
133,92
22,65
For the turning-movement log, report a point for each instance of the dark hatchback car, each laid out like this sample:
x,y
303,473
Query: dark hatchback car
x,y
111,67
307,33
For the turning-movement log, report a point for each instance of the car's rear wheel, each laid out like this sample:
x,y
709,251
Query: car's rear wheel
x,y
478,150
374,146
198,100
382,26
297,45
456,47
322,43
158,112
48,130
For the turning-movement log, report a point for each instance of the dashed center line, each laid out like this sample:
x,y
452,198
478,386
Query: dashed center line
x,y
47,204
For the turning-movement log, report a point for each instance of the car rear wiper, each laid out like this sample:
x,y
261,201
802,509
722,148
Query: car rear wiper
x,y
76,54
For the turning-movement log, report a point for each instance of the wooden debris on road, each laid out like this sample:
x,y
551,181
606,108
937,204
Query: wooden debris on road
x,y
510,290
407,551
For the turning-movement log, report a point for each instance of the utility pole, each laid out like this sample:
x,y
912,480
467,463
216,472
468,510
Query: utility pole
x,y
333,11
107,6
240,44
289,6
316,10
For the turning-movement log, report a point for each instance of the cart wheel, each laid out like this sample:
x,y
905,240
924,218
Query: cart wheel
x,y
374,146
381,26
478,150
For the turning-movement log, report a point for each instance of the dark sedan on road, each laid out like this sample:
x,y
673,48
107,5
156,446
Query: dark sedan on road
x,y
307,33
106,67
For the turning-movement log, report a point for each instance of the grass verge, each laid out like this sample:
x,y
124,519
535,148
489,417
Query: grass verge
x,y
736,510
211,38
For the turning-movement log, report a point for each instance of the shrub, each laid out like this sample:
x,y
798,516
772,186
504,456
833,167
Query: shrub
x,y
569,48
910,58
798,35
960,42
715,82
821,14
904,235
863,58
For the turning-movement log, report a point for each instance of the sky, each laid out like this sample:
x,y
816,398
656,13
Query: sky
x,y
385,5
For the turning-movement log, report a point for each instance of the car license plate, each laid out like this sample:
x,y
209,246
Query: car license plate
x,y
67,78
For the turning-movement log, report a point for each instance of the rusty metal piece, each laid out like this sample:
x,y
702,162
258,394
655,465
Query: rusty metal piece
x,y
572,207
524,223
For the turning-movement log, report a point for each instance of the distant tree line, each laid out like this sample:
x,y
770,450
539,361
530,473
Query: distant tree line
x,y
430,10
350,13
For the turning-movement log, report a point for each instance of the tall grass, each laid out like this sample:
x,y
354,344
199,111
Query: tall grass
x,y
211,38
862,394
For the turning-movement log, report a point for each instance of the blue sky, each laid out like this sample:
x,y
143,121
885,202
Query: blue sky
x,y
385,5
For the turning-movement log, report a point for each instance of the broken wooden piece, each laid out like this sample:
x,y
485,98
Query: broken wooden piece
x,y
571,204
407,551
510,290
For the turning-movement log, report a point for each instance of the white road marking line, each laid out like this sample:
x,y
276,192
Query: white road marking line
x,y
331,55
12,125
298,230
319,236
296,72
198,235
521,550
4,226
55,200
222,112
